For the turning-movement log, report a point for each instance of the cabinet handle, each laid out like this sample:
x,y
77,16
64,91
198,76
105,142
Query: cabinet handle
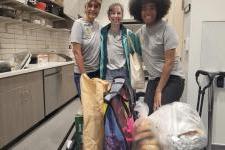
x,y
50,74
60,75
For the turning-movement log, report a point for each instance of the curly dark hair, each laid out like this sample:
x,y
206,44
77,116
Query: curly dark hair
x,y
162,7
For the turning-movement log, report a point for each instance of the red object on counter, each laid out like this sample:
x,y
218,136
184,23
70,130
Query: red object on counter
x,y
41,5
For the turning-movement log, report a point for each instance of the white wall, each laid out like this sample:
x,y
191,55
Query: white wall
x,y
72,8
103,18
204,10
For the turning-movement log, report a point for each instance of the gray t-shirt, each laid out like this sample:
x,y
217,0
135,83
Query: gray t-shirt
x,y
115,51
155,41
88,35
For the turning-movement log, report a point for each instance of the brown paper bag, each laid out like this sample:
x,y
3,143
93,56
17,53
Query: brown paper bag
x,y
92,91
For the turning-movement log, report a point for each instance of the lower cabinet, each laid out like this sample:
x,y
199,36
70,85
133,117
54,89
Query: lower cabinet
x,y
68,89
27,98
59,87
21,104
52,89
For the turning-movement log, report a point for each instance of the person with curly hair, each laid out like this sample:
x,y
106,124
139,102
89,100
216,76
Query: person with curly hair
x,y
114,47
159,42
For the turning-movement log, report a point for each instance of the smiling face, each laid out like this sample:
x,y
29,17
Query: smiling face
x,y
92,9
149,13
115,14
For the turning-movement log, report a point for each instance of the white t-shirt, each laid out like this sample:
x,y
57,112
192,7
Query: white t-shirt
x,y
115,51
154,42
88,35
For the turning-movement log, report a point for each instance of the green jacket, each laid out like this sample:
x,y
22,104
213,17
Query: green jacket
x,y
127,47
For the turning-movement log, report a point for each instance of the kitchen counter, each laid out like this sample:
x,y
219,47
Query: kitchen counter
x,y
34,67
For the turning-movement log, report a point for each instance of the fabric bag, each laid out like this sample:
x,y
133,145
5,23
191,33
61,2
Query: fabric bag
x,y
136,70
119,120
92,92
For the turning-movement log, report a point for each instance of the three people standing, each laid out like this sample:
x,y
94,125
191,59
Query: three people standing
x,y
158,42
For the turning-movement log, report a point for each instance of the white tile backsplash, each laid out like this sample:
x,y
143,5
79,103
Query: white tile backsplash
x,y
7,35
6,46
18,41
6,41
17,38
2,28
31,38
6,51
21,37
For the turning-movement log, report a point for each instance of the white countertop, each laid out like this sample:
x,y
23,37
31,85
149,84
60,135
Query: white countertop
x,y
34,67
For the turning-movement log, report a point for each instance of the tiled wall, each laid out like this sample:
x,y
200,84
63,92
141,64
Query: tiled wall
x,y
16,38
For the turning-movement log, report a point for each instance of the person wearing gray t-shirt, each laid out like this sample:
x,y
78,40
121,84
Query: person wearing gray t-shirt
x,y
114,49
85,38
159,42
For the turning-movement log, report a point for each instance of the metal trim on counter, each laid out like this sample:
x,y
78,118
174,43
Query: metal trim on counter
x,y
35,67
52,71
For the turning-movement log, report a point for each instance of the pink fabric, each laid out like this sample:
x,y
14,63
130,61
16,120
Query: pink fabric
x,y
129,129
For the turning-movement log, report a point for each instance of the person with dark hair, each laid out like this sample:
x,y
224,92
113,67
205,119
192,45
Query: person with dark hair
x,y
114,47
85,39
159,42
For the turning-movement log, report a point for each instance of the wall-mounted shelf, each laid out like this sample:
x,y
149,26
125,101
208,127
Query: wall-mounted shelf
x,y
30,26
18,5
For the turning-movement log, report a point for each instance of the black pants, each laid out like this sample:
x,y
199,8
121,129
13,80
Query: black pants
x,y
171,92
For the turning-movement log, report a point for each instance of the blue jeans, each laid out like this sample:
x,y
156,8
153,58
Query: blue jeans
x,y
121,72
94,74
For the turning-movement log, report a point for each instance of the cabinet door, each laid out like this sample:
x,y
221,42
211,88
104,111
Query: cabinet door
x,y
33,99
21,104
11,115
68,87
52,81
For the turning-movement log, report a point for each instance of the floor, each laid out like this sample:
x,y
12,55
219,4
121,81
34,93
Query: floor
x,y
49,135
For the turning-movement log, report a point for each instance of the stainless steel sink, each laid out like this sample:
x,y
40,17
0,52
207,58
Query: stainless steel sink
x,y
21,60
4,67
14,61
49,57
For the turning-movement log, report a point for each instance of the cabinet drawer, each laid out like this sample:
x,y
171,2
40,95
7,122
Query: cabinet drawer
x,y
9,83
52,71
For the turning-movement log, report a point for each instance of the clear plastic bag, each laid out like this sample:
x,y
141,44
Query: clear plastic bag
x,y
179,127
141,108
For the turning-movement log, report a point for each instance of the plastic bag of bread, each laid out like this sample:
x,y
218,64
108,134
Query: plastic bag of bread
x,y
179,127
144,136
